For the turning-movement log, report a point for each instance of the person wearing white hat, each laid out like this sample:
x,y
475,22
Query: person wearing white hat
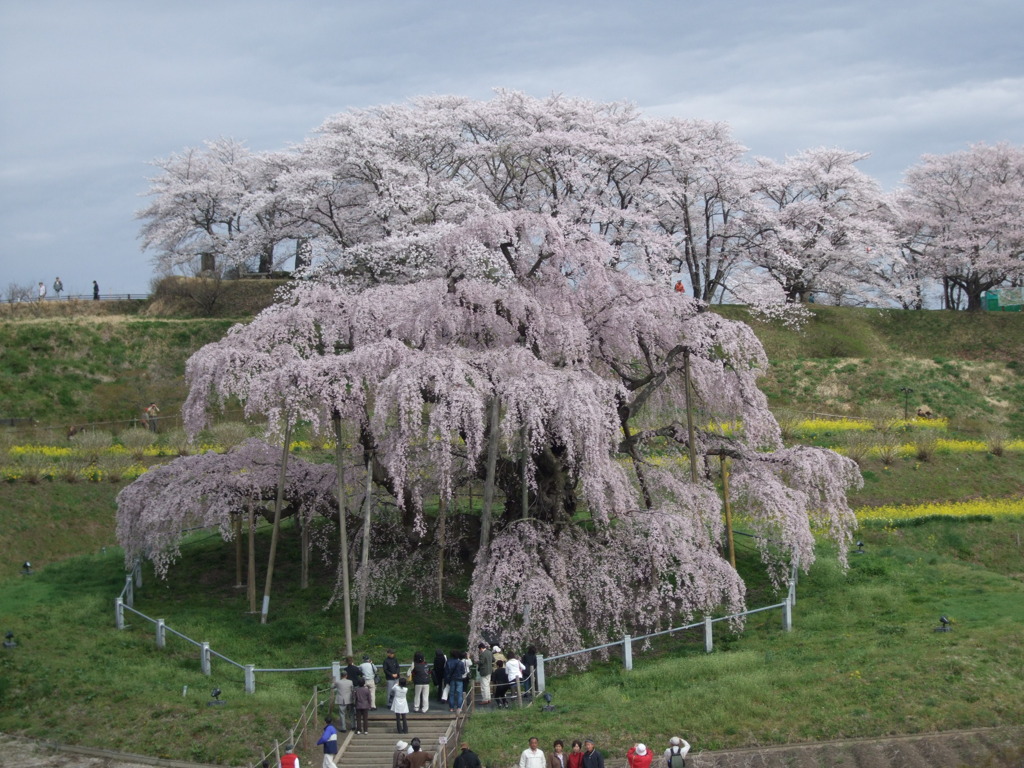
x,y
639,756
498,655
677,750
399,759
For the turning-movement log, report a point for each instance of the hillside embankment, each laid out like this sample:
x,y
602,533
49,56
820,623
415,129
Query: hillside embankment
x,y
61,366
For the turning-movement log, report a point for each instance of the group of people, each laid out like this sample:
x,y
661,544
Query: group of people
x,y
58,288
585,755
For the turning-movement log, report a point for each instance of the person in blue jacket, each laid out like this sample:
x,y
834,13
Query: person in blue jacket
x,y
329,739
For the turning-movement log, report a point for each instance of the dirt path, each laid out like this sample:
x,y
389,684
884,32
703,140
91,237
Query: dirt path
x,y
977,748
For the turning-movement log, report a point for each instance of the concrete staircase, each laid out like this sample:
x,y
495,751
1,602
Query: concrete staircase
x,y
376,749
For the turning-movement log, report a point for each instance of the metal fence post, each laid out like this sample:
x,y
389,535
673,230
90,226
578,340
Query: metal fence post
x,y
119,612
129,591
138,574
787,614
709,643
160,635
250,678
204,658
541,682
627,652
335,670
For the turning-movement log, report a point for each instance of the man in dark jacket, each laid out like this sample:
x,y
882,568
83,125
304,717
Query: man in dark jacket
x,y
591,757
467,759
391,671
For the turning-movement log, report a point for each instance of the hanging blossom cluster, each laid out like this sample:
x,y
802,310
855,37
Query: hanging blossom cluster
x,y
505,259
211,489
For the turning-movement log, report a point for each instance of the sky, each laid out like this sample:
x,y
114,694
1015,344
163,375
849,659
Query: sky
x,y
92,93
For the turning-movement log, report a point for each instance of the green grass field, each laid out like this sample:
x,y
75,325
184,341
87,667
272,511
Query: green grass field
x,y
862,660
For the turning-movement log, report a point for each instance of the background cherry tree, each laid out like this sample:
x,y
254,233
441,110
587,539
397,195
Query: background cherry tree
x,y
492,299
965,221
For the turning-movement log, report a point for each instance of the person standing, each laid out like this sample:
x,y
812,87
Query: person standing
x,y
363,702
558,758
369,670
353,672
58,286
400,706
418,759
498,655
576,754
680,288
591,757
514,669
501,687
95,291
467,758
529,663
437,672
329,738
150,416
289,759
638,756
532,757
675,755
400,759
485,667
420,674
42,290
454,670
343,699
391,670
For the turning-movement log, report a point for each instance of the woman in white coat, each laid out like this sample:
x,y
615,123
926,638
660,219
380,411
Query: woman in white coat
x,y
400,705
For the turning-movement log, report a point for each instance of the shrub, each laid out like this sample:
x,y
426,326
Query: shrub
x,y
92,444
996,440
137,440
229,434
178,442
925,443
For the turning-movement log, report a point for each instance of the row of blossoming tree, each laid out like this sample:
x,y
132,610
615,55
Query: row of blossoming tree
x,y
766,232
495,308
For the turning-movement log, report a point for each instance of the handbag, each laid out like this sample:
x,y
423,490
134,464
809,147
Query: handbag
x,y
444,693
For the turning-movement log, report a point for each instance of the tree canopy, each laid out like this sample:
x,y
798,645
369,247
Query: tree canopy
x,y
496,293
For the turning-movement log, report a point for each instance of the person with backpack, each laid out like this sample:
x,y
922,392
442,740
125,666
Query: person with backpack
x,y
675,755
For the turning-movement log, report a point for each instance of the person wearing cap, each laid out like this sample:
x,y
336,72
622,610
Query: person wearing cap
x,y
289,759
677,747
558,758
401,757
467,758
329,738
591,757
532,757
484,667
638,756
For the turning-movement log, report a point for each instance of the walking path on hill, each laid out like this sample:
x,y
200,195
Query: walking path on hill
x,y
974,748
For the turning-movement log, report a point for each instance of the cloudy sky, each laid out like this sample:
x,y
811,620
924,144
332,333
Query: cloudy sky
x,y
92,92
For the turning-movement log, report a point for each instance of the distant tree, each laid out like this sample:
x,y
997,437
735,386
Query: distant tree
x,y
701,202
964,215
215,208
822,226
490,300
